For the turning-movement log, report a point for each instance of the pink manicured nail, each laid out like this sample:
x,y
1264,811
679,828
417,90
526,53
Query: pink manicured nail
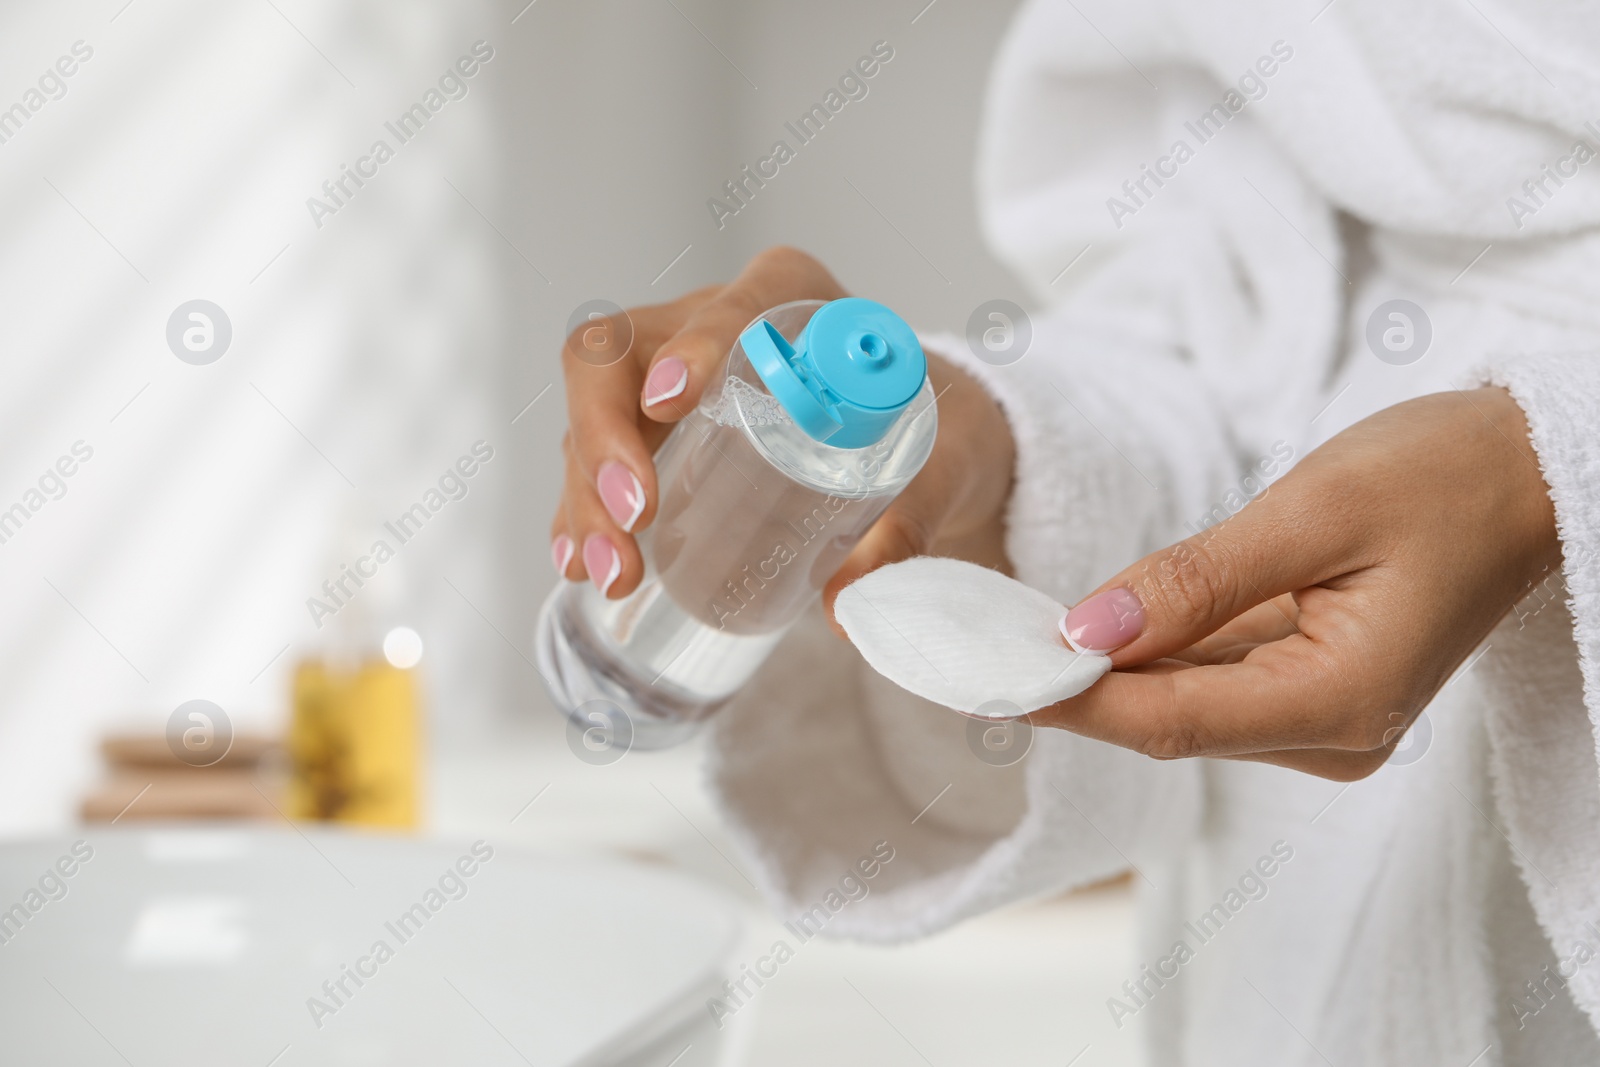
x,y
602,560
1104,622
621,493
667,379
561,553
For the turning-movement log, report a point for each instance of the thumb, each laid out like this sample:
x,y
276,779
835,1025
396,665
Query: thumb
x,y
906,529
1182,594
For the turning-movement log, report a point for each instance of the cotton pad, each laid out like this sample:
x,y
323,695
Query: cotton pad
x,y
965,636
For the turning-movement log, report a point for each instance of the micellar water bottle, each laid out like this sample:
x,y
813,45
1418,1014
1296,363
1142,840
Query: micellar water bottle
x,y
823,415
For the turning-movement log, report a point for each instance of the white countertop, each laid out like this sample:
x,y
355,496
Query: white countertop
x,y
1027,986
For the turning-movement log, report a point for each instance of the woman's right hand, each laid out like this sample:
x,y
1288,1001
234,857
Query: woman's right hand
x,y
620,409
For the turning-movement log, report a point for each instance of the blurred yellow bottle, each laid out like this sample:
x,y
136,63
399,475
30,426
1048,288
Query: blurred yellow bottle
x,y
355,737
382,759
355,744
315,753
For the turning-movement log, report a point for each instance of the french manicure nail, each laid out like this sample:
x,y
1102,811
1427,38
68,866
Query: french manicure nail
x,y
1104,622
621,493
561,553
602,560
667,379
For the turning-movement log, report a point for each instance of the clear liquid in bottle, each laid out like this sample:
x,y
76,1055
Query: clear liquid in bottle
x,y
756,514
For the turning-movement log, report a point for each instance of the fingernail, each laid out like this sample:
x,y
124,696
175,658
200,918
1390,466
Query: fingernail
x,y
621,493
561,553
667,379
602,560
1104,622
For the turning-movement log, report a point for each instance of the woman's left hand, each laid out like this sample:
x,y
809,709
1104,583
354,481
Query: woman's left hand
x,y
1312,628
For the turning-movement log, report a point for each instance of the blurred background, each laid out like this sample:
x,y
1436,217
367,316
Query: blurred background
x,y
356,343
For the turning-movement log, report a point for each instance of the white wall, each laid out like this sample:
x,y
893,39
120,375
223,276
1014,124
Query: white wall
x,y
177,165
368,353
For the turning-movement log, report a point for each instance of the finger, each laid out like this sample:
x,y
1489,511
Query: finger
x,y
1261,625
602,362
1336,764
671,382
610,457
602,551
1286,695
1178,596
614,490
563,549
686,363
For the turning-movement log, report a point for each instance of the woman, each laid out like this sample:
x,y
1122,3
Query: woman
x,y
1358,239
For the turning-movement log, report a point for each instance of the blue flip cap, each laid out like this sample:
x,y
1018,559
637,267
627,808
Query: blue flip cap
x,y
846,379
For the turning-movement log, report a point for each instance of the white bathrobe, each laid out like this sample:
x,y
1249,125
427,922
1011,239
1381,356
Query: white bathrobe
x,y
1219,318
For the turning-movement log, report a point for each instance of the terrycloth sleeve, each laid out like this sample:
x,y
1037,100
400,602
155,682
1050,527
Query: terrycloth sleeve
x,y
1544,744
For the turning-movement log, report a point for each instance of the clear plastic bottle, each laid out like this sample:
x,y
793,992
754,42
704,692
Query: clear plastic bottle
x,y
822,416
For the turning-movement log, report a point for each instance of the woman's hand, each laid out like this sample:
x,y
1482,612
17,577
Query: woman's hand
x,y
621,407
1310,629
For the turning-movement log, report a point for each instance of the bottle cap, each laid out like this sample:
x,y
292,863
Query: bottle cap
x,y
847,377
